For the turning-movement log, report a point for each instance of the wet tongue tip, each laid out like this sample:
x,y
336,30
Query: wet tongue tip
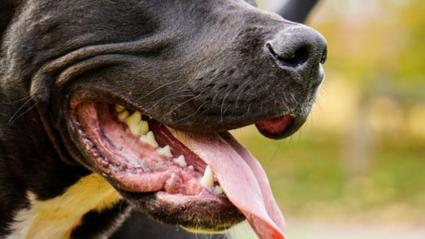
x,y
265,230
242,179
264,225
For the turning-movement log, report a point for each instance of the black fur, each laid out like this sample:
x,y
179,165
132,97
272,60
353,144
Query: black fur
x,y
210,55
102,224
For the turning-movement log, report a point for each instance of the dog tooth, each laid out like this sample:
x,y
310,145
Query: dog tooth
x,y
180,160
122,116
119,108
143,127
207,181
165,151
133,123
218,190
191,167
149,138
134,118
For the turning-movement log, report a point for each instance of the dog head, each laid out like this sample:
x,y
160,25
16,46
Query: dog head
x,y
143,92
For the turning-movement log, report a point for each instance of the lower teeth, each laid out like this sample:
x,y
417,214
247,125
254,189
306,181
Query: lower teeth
x,y
207,181
218,190
165,151
180,161
149,139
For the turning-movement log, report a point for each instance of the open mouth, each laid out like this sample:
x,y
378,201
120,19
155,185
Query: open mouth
x,y
208,181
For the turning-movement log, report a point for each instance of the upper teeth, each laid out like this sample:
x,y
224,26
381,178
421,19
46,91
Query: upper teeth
x,y
123,115
136,125
119,108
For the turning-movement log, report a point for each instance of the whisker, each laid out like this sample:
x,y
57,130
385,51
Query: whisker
x,y
26,98
19,113
222,105
191,115
158,88
190,99
241,91
22,110
175,95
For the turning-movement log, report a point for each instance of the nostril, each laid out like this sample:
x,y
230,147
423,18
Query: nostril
x,y
293,58
299,48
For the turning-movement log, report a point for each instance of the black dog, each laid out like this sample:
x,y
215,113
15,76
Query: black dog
x,y
112,105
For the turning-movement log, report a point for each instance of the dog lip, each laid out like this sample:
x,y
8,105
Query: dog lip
x,y
112,98
209,125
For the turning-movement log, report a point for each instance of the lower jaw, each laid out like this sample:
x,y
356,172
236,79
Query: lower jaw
x,y
195,215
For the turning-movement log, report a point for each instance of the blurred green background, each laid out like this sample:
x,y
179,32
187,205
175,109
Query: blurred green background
x,y
357,168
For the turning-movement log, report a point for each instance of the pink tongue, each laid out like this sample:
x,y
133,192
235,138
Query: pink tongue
x,y
242,179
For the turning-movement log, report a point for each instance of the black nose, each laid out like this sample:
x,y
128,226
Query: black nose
x,y
298,49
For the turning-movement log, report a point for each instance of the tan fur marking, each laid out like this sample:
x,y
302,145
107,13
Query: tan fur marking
x,y
56,218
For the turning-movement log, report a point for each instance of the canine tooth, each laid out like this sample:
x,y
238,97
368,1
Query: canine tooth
x,y
122,116
180,161
149,138
165,151
218,190
191,167
133,123
207,181
119,108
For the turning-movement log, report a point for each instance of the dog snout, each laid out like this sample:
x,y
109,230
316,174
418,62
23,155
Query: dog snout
x,y
298,49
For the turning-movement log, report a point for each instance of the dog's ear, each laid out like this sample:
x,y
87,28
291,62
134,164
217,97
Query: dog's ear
x,y
7,9
297,10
